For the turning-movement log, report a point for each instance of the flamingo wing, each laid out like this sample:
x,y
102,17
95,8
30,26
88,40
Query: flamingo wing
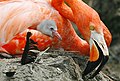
x,y
18,15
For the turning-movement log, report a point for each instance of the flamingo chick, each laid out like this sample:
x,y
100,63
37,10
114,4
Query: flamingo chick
x,y
47,27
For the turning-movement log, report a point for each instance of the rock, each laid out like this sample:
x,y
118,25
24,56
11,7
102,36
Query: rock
x,y
52,66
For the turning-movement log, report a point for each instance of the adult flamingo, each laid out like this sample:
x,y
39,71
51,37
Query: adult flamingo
x,y
92,29
72,42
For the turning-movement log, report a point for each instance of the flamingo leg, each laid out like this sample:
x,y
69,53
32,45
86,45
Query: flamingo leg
x,y
27,57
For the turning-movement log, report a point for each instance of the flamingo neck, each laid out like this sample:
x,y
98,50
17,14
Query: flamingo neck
x,y
78,45
72,41
63,9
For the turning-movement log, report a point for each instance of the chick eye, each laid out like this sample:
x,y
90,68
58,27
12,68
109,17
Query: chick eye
x,y
51,28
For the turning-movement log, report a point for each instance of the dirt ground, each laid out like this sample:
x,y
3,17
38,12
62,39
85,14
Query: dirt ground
x,y
57,66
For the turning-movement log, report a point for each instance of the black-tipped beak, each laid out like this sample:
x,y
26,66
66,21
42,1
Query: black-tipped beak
x,y
98,56
55,33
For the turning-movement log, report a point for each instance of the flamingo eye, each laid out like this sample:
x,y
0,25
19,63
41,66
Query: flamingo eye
x,y
92,27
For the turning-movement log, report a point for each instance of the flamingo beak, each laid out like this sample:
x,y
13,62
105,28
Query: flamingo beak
x,y
55,33
99,54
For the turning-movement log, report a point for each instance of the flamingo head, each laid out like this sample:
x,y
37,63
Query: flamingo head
x,y
98,51
49,27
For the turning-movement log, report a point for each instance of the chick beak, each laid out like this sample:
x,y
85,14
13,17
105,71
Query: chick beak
x,y
55,33
99,54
